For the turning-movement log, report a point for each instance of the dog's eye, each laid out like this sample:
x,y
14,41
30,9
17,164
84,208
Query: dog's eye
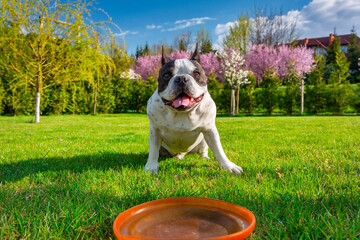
x,y
166,76
196,74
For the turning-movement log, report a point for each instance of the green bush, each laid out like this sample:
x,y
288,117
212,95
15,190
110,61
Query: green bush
x,y
247,97
291,96
105,97
269,97
339,97
117,94
224,98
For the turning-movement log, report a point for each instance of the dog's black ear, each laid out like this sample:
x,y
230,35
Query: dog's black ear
x,y
164,58
196,55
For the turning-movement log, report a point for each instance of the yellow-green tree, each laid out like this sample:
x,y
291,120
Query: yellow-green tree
x,y
48,42
239,34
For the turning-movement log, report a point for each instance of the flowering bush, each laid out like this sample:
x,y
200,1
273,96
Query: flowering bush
x,y
149,65
211,65
179,55
232,63
281,60
232,67
260,59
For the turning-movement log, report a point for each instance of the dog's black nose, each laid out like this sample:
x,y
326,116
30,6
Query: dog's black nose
x,y
181,80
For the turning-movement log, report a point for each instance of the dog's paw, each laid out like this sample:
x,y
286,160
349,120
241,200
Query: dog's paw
x,y
180,155
204,155
234,169
152,167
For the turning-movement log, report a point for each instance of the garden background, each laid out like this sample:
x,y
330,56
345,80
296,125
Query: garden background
x,y
70,175
108,80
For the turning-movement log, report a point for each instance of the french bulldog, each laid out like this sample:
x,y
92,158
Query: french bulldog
x,y
182,114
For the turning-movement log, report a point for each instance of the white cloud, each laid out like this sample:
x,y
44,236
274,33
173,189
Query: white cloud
x,y
221,30
125,33
152,26
317,19
181,24
320,17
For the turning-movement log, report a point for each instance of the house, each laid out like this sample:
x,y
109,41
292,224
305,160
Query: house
x,y
320,44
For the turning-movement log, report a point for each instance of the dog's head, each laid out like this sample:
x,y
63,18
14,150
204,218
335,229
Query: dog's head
x,y
182,83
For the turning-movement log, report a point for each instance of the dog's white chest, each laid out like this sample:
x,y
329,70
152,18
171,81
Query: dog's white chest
x,y
179,132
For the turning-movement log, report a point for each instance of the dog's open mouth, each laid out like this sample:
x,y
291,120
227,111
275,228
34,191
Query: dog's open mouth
x,y
183,101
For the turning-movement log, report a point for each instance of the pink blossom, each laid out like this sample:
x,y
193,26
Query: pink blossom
x,y
262,58
148,66
279,59
210,64
179,55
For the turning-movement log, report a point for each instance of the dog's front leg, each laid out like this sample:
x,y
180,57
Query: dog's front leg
x,y
154,147
213,140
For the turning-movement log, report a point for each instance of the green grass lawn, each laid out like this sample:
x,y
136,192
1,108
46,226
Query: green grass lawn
x,y
70,176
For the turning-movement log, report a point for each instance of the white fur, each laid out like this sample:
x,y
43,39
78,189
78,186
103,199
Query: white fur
x,y
185,131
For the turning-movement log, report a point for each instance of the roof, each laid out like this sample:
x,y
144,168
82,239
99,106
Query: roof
x,y
325,41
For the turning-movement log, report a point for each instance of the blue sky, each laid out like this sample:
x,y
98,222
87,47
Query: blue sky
x,y
160,21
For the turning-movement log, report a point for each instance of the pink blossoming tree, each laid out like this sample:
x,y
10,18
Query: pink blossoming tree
x,y
147,66
211,65
282,60
279,60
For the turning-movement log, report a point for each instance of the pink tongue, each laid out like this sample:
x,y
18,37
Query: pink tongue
x,y
181,101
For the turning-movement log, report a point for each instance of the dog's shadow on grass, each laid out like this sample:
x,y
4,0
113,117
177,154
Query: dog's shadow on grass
x,y
80,163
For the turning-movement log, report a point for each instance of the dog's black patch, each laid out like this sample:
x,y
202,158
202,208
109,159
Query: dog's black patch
x,y
168,68
202,79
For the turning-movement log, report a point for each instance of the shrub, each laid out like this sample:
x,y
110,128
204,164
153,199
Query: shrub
x,y
315,97
269,93
339,97
291,95
247,97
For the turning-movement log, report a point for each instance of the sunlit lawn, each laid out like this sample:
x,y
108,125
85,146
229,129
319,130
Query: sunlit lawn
x,y
70,176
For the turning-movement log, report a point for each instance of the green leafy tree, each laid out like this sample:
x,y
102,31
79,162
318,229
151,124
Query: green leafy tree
x,y
147,50
50,42
239,34
247,97
291,91
340,92
2,94
182,41
333,50
353,55
340,68
316,89
204,41
106,98
357,99
270,91
119,56
121,92
182,46
139,52
214,87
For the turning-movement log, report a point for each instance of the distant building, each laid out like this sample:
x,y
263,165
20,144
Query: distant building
x,y
319,45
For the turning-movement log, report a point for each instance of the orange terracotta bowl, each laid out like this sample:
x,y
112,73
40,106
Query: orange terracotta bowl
x,y
185,218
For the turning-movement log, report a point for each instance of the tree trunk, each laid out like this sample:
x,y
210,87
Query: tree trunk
x,y
237,99
302,96
37,103
95,99
37,107
232,102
